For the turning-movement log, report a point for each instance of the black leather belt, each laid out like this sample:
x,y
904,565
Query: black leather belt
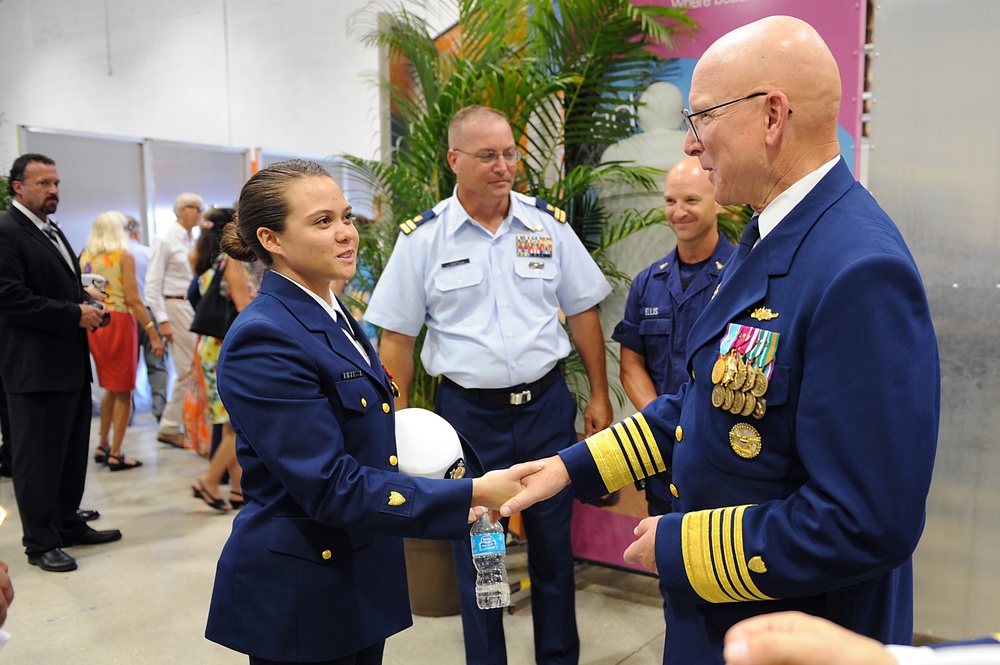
x,y
175,297
513,396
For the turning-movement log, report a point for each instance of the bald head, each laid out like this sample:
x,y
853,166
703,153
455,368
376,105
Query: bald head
x,y
791,122
691,210
689,170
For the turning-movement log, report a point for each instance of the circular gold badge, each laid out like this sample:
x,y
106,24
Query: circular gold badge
x,y
745,440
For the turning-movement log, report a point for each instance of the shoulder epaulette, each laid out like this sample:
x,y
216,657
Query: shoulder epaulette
x,y
410,225
558,213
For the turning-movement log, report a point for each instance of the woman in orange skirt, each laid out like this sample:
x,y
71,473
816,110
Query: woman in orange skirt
x,y
115,346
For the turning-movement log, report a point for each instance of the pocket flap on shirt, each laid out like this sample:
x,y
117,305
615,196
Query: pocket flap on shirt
x,y
658,326
458,277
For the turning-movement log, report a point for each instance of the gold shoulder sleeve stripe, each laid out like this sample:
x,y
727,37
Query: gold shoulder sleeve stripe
x,y
716,565
626,452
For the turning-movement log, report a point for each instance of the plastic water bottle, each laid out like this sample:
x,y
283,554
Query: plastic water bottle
x,y
489,553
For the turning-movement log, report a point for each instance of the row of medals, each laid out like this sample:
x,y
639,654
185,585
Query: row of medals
x,y
739,386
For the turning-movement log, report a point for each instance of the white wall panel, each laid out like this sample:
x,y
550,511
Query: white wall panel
x,y
285,75
934,165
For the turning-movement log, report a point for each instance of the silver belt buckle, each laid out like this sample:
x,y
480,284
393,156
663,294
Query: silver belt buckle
x,y
517,399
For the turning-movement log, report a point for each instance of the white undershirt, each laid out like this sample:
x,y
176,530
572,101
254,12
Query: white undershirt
x,y
783,203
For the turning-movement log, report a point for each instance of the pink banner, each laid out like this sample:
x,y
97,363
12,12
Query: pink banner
x,y
840,22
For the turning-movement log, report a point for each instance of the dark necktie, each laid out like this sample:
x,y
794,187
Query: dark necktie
x,y
345,326
751,234
50,230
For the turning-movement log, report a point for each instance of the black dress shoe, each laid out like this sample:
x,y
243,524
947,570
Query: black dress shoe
x,y
5,471
87,515
93,537
54,561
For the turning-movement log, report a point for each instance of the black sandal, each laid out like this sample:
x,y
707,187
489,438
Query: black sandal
x,y
101,455
122,463
211,501
239,503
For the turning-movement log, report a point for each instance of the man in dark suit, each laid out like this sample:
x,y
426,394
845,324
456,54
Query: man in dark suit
x,y
45,365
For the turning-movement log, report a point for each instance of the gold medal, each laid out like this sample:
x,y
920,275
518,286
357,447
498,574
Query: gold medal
x,y
740,377
718,392
745,440
760,384
739,399
749,405
751,379
718,370
760,408
727,401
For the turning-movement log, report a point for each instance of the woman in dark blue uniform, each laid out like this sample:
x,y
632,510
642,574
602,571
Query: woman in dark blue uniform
x,y
313,571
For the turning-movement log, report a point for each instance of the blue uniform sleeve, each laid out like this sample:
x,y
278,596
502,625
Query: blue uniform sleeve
x,y
637,447
626,332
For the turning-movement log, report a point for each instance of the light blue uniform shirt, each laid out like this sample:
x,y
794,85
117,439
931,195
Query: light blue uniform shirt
x,y
491,309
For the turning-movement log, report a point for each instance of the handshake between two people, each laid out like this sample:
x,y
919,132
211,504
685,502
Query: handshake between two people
x,y
508,491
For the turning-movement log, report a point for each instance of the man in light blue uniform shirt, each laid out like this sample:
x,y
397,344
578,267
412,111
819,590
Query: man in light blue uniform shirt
x,y
488,271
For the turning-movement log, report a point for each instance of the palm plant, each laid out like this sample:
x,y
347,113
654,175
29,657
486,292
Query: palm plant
x,y
565,73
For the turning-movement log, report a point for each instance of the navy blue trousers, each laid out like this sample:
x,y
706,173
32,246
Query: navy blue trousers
x,y
502,436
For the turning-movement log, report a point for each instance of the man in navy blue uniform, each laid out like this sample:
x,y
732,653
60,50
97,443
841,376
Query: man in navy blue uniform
x,y
803,444
667,297
488,271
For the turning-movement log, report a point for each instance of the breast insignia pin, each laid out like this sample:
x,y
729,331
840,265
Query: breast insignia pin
x,y
763,314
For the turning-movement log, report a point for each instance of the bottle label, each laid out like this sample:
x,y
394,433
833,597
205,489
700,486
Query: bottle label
x,y
489,543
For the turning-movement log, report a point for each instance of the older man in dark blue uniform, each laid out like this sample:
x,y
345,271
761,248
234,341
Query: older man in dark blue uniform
x,y
666,299
803,445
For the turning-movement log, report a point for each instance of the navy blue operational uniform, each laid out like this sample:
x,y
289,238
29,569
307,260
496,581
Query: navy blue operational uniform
x,y
659,314
491,303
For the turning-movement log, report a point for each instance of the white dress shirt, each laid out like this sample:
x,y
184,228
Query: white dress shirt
x,y
169,272
43,226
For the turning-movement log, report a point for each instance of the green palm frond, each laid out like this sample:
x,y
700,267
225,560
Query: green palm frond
x,y
566,74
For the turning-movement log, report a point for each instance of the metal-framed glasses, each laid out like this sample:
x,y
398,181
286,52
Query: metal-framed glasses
x,y
692,125
487,157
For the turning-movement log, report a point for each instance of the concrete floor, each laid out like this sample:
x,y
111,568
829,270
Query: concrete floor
x,y
145,599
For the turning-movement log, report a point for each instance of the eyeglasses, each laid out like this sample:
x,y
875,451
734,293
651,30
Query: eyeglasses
x,y
198,208
691,116
487,157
